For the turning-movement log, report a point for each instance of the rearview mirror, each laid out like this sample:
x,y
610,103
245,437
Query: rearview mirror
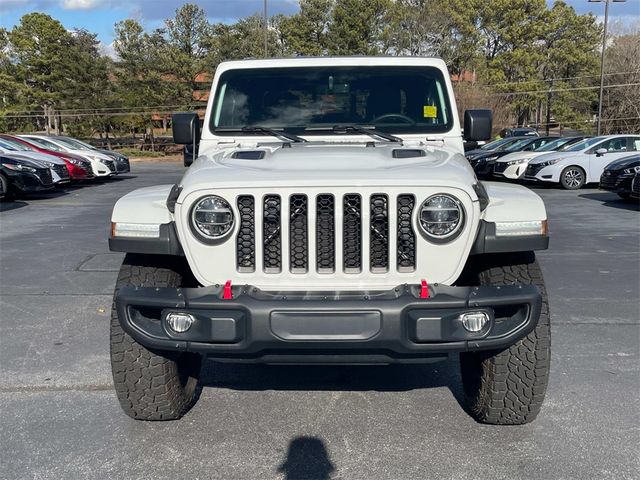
x,y
477,125
601,151
186,131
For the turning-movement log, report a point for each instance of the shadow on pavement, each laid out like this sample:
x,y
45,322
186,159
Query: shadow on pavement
x,y
6,206
612,200
382,378
307,457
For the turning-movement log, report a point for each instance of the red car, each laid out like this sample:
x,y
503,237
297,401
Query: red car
x,y
78,167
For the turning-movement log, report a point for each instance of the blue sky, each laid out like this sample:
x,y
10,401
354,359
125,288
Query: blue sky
x,y
99,16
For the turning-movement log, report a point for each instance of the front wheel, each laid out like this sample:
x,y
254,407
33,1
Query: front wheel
x,y
507,387
151,385
573,178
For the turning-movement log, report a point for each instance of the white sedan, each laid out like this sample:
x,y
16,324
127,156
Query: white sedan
x,y
101,165
582,163
513,165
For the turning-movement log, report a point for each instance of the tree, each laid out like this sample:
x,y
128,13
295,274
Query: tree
x,y
442,28
621,105
356,27
188,39
40,46
305,33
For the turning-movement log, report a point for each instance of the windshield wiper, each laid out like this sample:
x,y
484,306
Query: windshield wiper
x,y
371,131
269,131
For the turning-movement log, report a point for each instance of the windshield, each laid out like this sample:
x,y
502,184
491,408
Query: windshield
x,y
552,145
519,145
316,99
7,145
495,144
73,143
41,142
583,145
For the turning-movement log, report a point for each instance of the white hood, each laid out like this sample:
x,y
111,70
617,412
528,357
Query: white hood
x,y
519,156
318,164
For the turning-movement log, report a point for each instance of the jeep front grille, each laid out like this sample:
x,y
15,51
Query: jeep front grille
x,y
325,234
246,240
271,229
322,233
406,255
298,238
379,232
352,233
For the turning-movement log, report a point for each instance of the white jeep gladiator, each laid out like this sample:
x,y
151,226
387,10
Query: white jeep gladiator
x,y
329,216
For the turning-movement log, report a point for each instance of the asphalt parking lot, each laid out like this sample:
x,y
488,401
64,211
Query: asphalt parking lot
x,y
60,418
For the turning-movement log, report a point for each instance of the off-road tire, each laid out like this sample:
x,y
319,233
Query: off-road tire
x,y
507,387
151,385
573,178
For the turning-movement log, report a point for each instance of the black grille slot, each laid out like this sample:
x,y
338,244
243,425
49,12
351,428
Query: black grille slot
x,y
352,233
44,174
245,242
406,255
61,171
379,242
298,233
272,234
325,234
500,167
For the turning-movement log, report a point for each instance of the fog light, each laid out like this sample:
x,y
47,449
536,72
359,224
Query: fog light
x,y
180,322
474,321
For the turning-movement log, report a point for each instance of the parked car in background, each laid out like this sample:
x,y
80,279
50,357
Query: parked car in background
x,y
121,161
58,167
635,186
101,165
619,174
519,132
513,165
582,163
19,175
496,145
78,167
483,164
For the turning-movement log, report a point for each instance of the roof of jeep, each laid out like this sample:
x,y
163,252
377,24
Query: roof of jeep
x,y
332,62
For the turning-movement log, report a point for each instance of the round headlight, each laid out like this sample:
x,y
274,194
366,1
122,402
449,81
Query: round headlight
x,y
441,217
211,218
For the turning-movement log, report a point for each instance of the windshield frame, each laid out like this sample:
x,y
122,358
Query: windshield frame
x,y
324,129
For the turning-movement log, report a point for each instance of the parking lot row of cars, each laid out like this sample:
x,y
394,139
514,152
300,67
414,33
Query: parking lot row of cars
x,y
571,162
35,163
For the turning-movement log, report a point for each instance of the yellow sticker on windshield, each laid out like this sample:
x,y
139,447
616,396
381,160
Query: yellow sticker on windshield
x,y
429,111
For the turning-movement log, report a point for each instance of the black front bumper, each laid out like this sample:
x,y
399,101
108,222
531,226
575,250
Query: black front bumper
x,y
345,327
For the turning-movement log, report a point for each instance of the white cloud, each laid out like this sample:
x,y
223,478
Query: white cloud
x,y
108,49
80,4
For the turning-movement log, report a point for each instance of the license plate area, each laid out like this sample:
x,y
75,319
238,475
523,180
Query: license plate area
x,y
335,326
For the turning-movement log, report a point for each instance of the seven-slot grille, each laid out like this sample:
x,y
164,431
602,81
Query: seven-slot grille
x,y
307,237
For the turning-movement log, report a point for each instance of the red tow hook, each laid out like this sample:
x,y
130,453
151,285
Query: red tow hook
x,y
226,292
424,289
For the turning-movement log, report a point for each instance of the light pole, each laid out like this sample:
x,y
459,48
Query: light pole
x,y
604,46
266,32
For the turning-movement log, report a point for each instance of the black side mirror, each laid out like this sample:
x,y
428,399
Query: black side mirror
x,y
477,125
186,131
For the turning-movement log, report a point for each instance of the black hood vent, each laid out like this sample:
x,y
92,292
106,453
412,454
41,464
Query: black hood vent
x,y
408,153
249,154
